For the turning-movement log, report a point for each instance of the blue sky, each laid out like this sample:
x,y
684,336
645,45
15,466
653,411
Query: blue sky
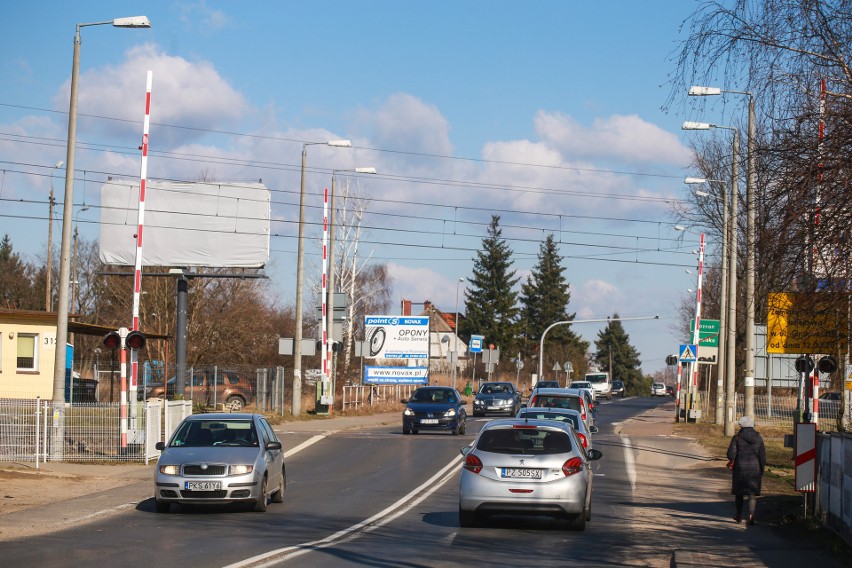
x,y
547,113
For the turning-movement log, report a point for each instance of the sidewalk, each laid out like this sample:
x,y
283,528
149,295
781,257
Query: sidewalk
x,y
683,502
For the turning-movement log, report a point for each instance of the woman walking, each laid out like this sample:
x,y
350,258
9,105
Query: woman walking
x,y
747,452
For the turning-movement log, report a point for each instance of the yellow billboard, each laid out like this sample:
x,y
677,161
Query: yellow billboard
x,y
805,323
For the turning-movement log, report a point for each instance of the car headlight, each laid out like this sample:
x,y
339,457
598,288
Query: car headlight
x,y
450,413
408,411
170,469
241,469
477,402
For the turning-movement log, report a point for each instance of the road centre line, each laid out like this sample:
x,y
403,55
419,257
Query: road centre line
x,y
309,442
417,496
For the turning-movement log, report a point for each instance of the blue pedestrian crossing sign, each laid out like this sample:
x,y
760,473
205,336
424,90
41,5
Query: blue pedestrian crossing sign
x,y
687,354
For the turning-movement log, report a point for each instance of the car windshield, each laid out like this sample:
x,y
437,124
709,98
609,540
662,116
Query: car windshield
x,y
205,433
496,388
524,441
433,395
572,419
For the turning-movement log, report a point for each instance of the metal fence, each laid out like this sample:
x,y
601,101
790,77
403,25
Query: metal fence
x,y
834,451
780,411
355,396
91,432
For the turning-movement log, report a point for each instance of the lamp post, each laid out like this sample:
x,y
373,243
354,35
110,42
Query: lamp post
x,y
47,294
723,294
300,255
65,257
456,346
730,373
751,188
328,338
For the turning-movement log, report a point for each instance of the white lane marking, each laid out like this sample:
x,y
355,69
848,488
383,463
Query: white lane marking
x,y
303,445
629,462
357,530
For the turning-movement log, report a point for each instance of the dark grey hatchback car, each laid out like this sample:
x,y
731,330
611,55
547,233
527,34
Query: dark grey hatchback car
x,y
434,408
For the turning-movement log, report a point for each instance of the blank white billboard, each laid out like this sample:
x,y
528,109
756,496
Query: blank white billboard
x,y
222,225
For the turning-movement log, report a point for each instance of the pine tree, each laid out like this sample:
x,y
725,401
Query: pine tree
x,y
544,301
614,342
18,288
490,300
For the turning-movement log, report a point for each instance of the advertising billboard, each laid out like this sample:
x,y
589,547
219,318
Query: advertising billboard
x,y
396,375
396,337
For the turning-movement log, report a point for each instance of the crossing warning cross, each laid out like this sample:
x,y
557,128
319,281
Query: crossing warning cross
x,y
687,354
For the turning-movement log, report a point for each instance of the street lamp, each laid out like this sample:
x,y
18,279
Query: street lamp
x,y
723,295
52,202
456,346
751,187
300,255
65,256
328,337
730,373
569,322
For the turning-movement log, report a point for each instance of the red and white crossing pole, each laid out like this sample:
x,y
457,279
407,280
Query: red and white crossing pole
x,y
324,291
137,277
696,336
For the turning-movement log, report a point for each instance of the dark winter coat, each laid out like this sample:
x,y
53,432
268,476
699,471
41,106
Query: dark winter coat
x,y
749,455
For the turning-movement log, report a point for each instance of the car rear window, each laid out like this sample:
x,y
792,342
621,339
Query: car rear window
x,y
571,419
556,401
524,441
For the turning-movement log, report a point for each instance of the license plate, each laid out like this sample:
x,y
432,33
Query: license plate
x,y
203,485
495,408
520,473
428,420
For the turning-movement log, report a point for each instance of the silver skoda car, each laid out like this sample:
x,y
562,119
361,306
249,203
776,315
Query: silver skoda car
x,y
527,467
220,458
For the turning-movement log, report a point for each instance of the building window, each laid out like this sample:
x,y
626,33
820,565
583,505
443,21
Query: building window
x,y
27,360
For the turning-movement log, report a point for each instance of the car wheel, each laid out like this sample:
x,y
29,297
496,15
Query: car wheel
x,y
162,506
413,431
260,504
463,428
456,429
589,513
235,403
476,414
278,496
609,396
467,518
406,431
577,522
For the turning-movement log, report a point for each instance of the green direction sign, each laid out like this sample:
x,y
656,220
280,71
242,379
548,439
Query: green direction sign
x,y
708,332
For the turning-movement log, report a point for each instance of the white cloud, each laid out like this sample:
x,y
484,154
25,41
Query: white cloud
x,y
626,138
186,93
596,298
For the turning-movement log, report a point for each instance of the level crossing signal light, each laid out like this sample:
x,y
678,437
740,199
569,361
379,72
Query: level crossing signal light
x,y
827,364
671,360
804,364
133,340
112,340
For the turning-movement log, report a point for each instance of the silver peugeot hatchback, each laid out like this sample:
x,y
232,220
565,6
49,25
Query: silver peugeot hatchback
x,y
220,458
527,467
